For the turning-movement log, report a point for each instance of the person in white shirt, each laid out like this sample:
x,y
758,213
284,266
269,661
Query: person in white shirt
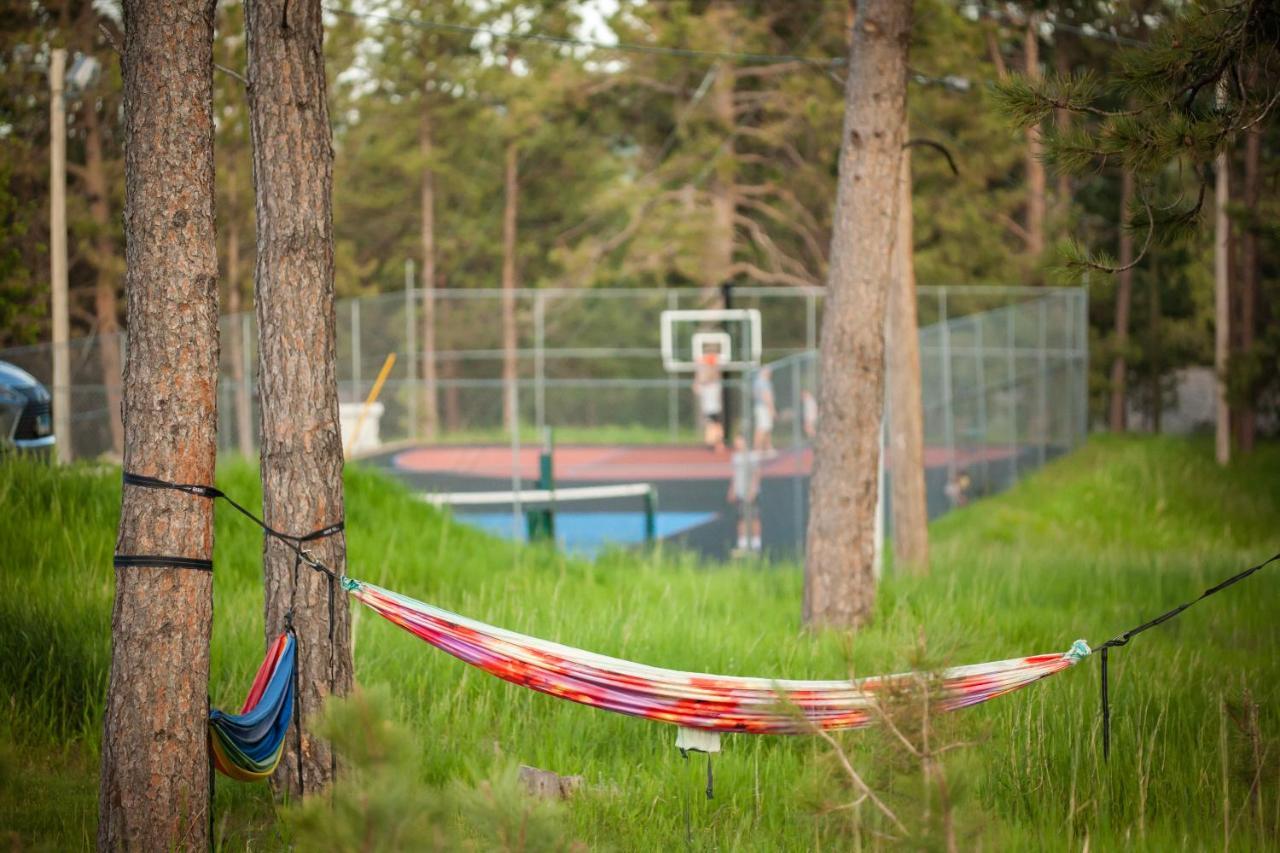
x,y
744,492
709,391
764,410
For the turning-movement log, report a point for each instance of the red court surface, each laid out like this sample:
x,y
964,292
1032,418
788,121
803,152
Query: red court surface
x,y
623,464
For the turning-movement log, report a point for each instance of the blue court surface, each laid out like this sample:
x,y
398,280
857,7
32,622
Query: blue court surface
x,y
588,533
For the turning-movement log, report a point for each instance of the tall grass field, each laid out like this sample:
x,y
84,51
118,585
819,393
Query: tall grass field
x,y
1096,543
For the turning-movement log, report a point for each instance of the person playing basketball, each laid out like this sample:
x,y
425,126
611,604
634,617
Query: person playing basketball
x,y
709,391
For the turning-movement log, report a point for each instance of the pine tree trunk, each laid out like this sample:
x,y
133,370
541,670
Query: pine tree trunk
x,y
906,419
1035,168
430,411
106,306
301,444
1221,301
839,565
1124,300
721,187
236,344
154,788
1249,272
511,189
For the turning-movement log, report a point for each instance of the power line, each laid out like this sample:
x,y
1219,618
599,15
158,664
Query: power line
x,y
568,41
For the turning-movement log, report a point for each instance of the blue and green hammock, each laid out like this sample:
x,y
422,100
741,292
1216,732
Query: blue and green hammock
x,y
247,746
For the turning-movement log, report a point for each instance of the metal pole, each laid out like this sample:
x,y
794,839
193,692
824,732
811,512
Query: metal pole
x,y
673,384
246,345
1011,387
58,254
1042,400
797,448
811,322
411,347
539,360
517,511
1082,375
355,350
948,413
877,565
980,356
650,516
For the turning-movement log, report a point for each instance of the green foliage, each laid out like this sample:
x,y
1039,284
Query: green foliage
x,y
1090,546
1175,102
380,802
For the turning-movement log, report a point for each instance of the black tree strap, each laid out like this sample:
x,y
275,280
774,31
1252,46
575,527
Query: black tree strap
x,y
1123,640
133,561
294,543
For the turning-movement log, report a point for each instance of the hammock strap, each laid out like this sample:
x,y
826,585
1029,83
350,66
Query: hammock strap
x,y
1123,640
294,543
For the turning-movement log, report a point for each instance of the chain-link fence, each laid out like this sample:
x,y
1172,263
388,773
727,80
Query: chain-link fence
x,y
1003,372
1004,390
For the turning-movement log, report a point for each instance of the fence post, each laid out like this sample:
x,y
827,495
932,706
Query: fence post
x,y
355,350
1011,386
1042,400
247,349
1082,361
948,415
980,356
797,449
411,347
673,385
539,360
810,322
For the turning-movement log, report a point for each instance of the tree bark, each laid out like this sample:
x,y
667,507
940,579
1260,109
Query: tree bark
x,y
1035,168
906,419
1124,299
154,791
237,343
511,190
301,444
1249,274
839,565
1221,302
430,411
106,306
719,247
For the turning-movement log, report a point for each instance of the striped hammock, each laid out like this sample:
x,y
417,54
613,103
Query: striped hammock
x,y
712,703
247,746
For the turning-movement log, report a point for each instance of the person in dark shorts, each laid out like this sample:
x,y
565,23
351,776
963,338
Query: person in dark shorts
x,y
744,491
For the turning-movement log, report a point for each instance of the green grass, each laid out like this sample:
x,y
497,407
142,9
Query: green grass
x,y
1094,544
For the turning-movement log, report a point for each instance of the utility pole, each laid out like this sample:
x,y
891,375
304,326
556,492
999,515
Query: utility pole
x,y
58,252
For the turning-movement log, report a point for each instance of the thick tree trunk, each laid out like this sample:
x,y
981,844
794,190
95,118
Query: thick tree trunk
x,y
430,411
1035,168
105,304
906,419
154,791
301,444
839,565
237,343
1246,416
1124,300
511,190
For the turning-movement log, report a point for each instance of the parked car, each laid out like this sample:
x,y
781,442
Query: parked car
x,y
26,411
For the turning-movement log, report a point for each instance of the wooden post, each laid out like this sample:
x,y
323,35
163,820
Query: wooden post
x,y
58,253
